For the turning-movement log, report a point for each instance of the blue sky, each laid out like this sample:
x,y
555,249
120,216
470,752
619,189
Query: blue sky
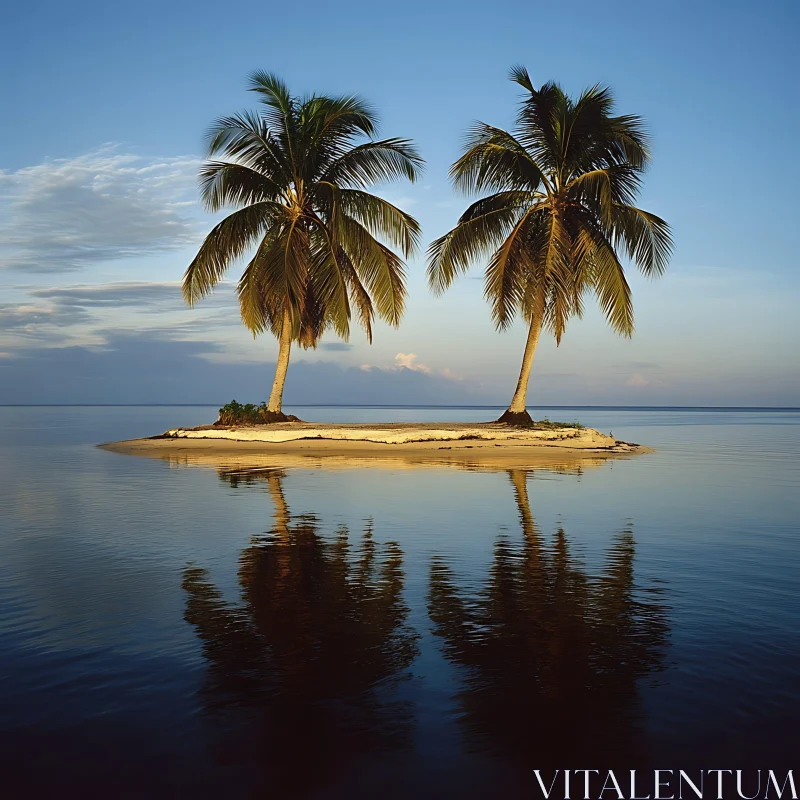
x,y
105,110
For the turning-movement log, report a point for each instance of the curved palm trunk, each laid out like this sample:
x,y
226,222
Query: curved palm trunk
x,y
516,413
284,348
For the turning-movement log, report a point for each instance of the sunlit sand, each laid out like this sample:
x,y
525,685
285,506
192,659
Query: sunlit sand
x,y
464,445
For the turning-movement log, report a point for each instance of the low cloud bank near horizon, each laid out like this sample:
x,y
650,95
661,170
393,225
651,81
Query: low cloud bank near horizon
x,y
145,368
136,342
150,367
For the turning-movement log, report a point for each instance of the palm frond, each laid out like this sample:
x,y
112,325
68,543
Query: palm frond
x,y
594,190
495,161
259,309
602,187
360,296
223,183
481,230
374,162
381,218
342,118
607,278
228,241
520,199
326,128
328,283
245,138
631,140
292,276
519,74
515,275
508,275
380,270
540,122
274,93
558,276
645,236
585,138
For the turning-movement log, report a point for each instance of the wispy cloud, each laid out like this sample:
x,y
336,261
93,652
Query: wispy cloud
x,y
30,319
89,313
68,214
336,346
131,294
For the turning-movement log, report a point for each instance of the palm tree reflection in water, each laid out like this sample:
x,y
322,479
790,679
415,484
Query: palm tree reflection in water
x,y
552,657
310,652
304,667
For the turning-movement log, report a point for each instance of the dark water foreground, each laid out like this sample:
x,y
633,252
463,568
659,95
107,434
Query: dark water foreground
x,y
170,631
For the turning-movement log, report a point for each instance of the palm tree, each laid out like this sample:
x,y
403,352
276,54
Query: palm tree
x,y
296,173
559,213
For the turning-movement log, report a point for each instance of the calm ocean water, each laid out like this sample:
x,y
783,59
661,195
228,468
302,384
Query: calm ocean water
x,y
171,631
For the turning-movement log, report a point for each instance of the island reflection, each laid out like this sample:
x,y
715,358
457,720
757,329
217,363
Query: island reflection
x,y
551,656
310,654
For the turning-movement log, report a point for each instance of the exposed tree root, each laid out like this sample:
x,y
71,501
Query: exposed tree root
x,y
268,417
516,418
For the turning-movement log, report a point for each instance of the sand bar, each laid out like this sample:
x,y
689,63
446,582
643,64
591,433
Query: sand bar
x,y
482,446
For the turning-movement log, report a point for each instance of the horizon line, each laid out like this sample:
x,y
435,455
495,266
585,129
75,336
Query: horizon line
x,y
410,406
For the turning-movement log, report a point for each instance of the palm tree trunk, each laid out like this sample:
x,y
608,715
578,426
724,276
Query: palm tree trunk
x,y
284,348
517,413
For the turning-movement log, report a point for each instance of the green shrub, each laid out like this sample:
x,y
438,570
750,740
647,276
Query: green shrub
x,y
546,424
237,414
234,413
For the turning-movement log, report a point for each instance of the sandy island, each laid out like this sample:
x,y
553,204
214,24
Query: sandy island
x,y
305,444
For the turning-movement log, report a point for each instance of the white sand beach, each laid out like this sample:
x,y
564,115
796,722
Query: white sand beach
x,y
469,445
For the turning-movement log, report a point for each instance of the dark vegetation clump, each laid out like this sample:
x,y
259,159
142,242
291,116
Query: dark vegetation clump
x,y
234,413
522,419
546,424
